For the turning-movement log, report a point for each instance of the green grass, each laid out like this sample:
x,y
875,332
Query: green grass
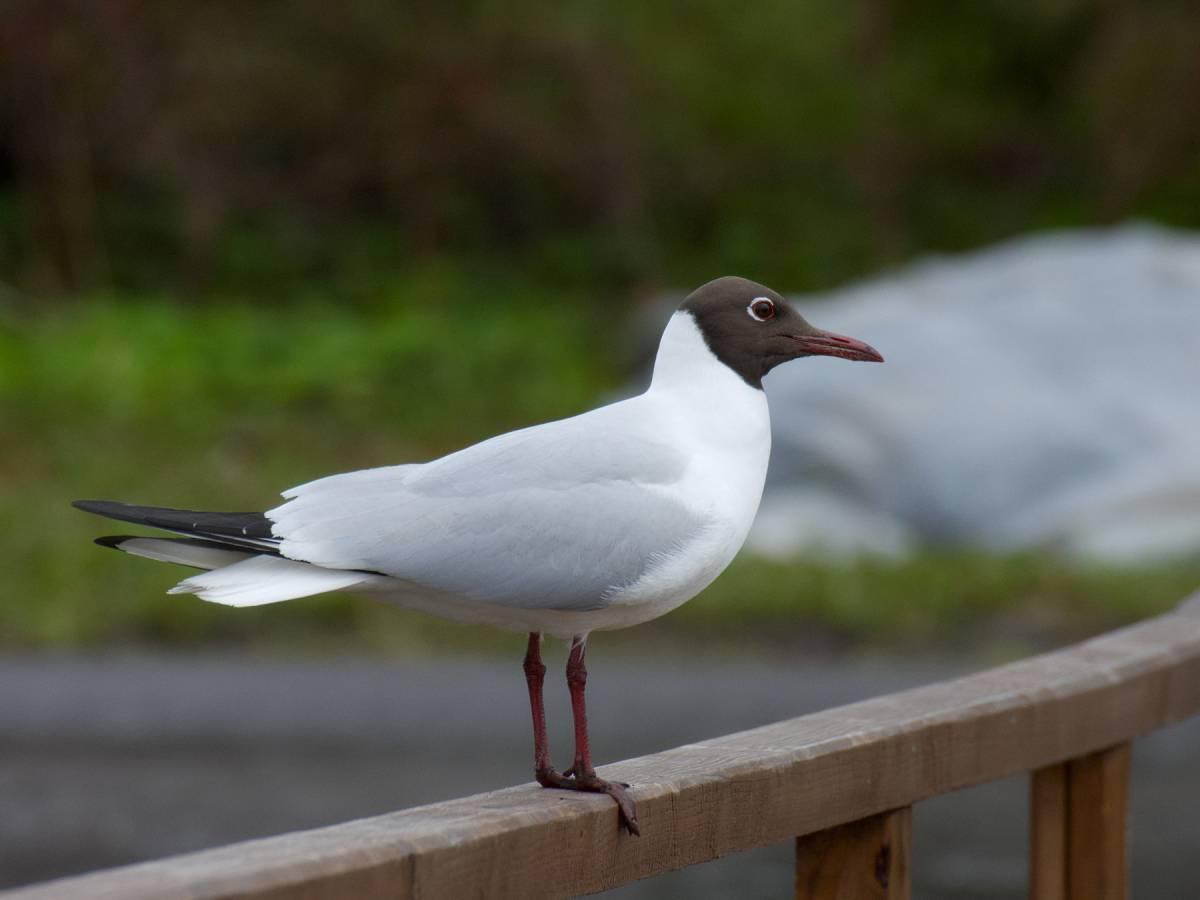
x,y
1013,601
222,405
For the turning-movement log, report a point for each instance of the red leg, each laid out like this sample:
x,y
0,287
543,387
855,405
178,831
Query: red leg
x,y
535,677
577,682
585,778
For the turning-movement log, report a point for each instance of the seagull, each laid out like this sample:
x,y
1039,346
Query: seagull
x,y
600,521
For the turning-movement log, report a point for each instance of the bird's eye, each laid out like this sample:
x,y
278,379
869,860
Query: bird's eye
x,y
761,309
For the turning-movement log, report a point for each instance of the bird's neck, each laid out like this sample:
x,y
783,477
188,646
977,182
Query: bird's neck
x,y
684,359
686,368
713,414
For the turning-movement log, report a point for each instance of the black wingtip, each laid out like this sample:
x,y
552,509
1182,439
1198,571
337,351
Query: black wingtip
x,y
113,540
98,507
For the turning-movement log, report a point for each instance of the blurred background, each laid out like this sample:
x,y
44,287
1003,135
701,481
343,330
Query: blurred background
x,y
246,245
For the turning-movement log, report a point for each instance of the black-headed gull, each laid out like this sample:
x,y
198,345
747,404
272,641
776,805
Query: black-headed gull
x,y
600,521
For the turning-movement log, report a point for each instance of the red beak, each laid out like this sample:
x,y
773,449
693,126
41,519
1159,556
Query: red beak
x,y
826,343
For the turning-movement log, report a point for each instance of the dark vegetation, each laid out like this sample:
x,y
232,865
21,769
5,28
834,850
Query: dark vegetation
x,y
292,150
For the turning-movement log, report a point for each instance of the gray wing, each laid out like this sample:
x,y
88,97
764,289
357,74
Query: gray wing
x,y
553,517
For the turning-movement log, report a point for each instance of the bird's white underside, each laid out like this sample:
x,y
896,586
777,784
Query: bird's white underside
x,y
678,469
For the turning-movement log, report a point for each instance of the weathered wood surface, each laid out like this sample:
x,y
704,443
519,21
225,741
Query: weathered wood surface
x,y
864,860
1048,833
1097,825
1079,828
717,797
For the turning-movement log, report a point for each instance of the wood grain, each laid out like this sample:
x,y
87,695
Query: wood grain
x,y
1048,834
1079,821
715,797
1097,816
864,860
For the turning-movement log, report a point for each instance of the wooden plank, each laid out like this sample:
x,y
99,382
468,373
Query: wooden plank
x,y
715,797
1097,814
863,860
1079,819
1048,834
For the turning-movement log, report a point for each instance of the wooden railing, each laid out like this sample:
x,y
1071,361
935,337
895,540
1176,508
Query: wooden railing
x,y
841,783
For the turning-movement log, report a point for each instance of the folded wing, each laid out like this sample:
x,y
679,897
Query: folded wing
x,y
554,517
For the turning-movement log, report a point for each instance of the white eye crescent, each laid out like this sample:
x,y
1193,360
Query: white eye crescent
x,y
761,309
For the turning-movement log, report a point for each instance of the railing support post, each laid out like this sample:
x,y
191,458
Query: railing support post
x,y
1077,828
863,860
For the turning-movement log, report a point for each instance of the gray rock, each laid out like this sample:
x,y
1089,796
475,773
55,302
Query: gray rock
x,y
1041,394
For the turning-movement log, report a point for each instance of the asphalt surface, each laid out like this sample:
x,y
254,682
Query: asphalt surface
x,y
112,760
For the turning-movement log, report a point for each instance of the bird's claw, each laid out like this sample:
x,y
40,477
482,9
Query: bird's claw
x,y
626,810
570,773
589,782
550,778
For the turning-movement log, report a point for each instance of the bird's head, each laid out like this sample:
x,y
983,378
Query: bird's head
x,y
752,329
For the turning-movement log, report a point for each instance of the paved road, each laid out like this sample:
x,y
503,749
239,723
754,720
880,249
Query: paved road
x,y
112,760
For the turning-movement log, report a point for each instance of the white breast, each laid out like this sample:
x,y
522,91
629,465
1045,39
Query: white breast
x,y
724,426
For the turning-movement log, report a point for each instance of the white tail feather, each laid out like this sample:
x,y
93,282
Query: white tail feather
x,y
175,551
266,579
